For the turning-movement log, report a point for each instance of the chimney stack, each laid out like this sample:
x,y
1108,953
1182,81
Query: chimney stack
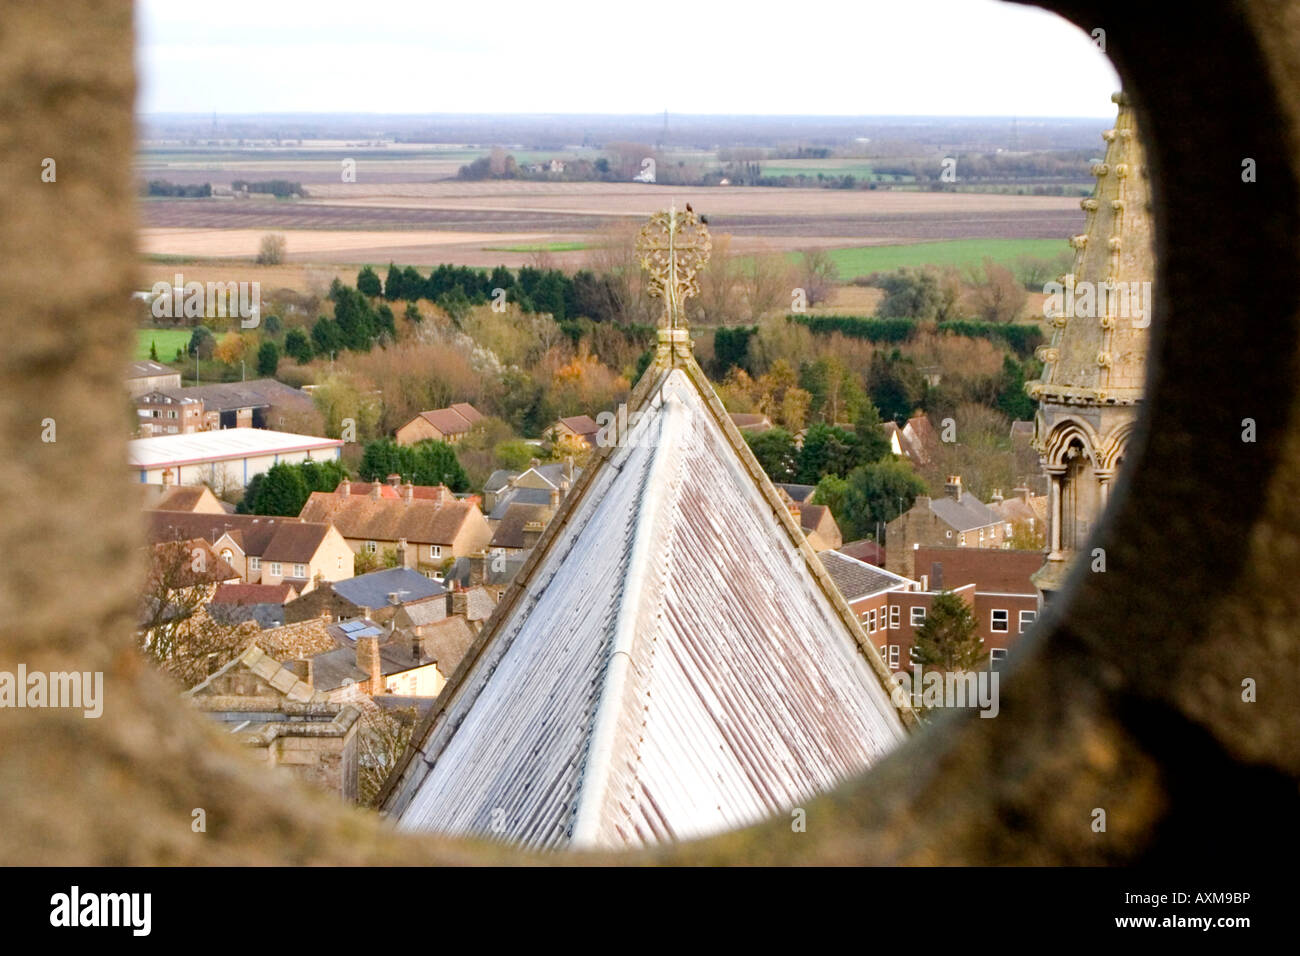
x,y
374,490
368,661
408,492
167,478
1022,493
555,498
568,468
394,480
997,496
345,488
953,487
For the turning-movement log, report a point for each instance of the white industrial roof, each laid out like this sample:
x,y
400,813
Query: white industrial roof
x,y
672,669
168,450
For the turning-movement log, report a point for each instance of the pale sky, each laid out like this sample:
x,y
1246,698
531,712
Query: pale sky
x,y
864,58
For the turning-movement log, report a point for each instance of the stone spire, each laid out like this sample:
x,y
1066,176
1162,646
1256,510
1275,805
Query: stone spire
x,y
1095,365
1098,318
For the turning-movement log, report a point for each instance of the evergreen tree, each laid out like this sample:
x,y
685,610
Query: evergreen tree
x,y
368,282
326,338
153,349
268,359
949,639
282,492
776,453
874,495
297,345
393,283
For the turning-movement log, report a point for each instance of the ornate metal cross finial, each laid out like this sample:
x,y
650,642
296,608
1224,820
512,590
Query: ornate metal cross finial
x,y
674,246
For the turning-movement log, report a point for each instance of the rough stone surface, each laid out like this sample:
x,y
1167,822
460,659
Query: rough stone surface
x,y
1128,698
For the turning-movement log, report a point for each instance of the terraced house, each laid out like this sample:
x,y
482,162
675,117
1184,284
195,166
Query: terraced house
x,y
423,534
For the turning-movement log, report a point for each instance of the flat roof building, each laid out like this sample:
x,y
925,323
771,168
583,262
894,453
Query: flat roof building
x,y
227,456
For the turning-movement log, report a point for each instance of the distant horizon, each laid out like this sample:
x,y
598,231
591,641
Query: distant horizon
x,y
579,114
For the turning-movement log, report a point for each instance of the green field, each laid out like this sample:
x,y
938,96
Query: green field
x,y
864,260
541,247
169,340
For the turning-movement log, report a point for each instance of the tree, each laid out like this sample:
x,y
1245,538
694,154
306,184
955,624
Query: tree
x,y
231,348
282,492
368,282
424,463
895,385
202,342
827,450
153,349
382,736
877,494
1012,400
393,286
998,296
268,359
297,345
949,639
776,453
271,251
817,276
326,338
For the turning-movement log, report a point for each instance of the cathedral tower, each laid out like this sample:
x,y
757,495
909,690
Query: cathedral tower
x,y
1095,364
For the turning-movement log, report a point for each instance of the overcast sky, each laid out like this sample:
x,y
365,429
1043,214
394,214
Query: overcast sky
x,y
901,57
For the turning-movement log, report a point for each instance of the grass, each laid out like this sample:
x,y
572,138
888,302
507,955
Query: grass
x,y
864,260
541,247
169,340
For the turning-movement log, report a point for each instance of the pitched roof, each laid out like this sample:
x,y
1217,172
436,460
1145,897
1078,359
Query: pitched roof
x,y
253,533
514,521
798,493
228,444
184,564
964,515
295,543
864,550
498,479
245,594
300,640
857,579
672,661
446,643
581,424
230,396
422,492
372,590
750,422
423,522
455,420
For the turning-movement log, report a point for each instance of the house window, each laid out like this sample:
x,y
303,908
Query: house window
x,y
227,555
371,547
435,551
893,657
961,543
918,615
300,570
871,621
999,621
255,564
997,655
895,613
1027,618
275,569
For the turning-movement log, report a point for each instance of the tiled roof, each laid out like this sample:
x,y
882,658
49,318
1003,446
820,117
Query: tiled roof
x,y
520,496
671,663
424,611
363,518
864,550
177,562
148,369
421,492
455,420
498,479
857,579
243,594
296,641
180,498
581,424
964,515
447,641
372,590
798,493
510,532
295,543
256,531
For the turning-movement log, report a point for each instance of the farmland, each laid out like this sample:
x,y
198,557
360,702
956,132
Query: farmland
x,y
168,341
864,260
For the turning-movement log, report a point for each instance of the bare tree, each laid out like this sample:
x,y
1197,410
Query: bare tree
x,y
382,737
271,251
998,297
817,276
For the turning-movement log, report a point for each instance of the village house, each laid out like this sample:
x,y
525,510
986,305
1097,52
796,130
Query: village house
x,y
167,496
422,534
263,604
449,424
749,422
816,521
958,519
165,413
580,428
915,441
263,549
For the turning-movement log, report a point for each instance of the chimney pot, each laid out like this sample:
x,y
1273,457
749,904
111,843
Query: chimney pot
x,y
368,661
953,487
394,480
345,488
